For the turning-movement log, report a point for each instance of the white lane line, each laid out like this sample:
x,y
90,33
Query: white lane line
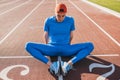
x,y
105,55
1,41
13,57
97,55
117,14
9,3
14,8
98,26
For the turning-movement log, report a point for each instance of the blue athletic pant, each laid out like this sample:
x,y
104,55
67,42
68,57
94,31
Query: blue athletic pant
x,y
79,51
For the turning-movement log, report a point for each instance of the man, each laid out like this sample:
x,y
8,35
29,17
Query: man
x,y
58,35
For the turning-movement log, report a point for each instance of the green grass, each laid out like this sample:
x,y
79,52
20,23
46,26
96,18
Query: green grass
x,y
111,4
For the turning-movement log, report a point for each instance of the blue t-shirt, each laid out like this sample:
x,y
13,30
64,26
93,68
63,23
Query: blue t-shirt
x,y
59,32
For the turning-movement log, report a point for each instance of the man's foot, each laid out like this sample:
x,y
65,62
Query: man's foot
x,y
65,67
54,67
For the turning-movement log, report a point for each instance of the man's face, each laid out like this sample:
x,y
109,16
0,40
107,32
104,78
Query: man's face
x,y
60,16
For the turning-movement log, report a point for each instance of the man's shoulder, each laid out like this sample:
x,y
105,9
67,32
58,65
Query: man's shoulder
x,y
69,18
51,18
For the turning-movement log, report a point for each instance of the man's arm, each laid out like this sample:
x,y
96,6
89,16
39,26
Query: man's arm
x,y
71,36
46,37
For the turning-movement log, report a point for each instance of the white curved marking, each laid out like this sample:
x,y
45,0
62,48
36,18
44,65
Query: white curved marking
x,y
4,72
103,76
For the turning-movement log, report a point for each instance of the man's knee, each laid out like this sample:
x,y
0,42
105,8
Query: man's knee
x,y
90,46
28,46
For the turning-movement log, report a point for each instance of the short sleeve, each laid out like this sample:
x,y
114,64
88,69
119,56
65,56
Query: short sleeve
x,y
46,26
72,25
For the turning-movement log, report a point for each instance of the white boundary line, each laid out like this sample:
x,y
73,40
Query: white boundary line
x,y
105,55
103,8
98,26
20,23
13,57
97,55
9,3
14,7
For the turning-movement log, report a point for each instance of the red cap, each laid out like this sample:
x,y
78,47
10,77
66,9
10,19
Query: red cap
x,y
61,8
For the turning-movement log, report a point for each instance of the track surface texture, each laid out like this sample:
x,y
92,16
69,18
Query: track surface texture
x,y
22,21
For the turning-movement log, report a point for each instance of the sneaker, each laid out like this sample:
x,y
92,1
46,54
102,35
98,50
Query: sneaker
x,y
54,67
65,67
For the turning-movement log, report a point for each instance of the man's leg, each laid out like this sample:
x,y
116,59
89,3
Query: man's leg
x,y
84,51
79,51
39,51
